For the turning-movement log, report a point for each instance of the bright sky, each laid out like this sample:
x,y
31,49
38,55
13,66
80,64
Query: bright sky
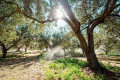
x,y
59,13
60,24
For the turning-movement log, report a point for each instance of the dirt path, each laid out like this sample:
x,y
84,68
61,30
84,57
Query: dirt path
x,y
114,61
28,67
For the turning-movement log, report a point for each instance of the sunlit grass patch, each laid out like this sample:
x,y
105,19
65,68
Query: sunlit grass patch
x,y
66,69
71,69
42,61
102,53
11,78
56,66
42,55
50,75
114,54
69,62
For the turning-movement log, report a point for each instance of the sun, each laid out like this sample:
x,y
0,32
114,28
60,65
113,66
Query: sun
x,y
59,14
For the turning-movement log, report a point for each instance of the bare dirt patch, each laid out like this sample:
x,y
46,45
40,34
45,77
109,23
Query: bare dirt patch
x,y
25,68
112,60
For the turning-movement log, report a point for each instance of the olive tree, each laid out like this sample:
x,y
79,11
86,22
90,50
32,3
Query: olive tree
x,y
79,14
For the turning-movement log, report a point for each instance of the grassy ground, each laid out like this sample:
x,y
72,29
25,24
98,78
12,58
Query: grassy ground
x,y
20,67
35,67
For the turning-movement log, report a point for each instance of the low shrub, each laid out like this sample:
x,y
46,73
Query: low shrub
x,y
41,55
66,69
102,53
58,55
70,69
56,66
70,61
74,54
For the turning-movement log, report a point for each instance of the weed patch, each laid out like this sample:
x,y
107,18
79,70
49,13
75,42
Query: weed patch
x,y
70,69
66,69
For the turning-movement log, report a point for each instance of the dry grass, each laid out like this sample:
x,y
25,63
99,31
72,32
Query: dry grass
x,y
24,68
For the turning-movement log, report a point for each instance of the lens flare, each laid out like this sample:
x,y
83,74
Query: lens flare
x,y
59,14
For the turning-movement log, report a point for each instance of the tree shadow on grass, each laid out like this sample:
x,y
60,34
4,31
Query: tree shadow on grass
x,y
17,60
110,58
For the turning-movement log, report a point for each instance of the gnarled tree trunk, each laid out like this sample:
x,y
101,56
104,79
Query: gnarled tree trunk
x,y
25,49
4,50
18,49
87,47
91,56
89,51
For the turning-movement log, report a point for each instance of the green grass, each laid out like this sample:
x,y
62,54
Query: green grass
x,y
70,69
102,53
42,55
42,61
114,54
24,52
66,69
58,55
8,57
69,61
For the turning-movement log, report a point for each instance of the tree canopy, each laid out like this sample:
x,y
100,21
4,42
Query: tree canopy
x,y
85,17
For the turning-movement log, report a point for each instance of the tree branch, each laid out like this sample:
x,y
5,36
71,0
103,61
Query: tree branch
x,y
15,42
51,5
69,22
7,16
115,7
45,41
95,22
69,12
107,12
37,19
107,6
22,12
114,15
85,10
63,40
111,8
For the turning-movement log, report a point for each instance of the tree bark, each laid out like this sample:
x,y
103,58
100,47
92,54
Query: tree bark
x,y
25,49
88,49
92,60
4,50
91,56
106,52
18,49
